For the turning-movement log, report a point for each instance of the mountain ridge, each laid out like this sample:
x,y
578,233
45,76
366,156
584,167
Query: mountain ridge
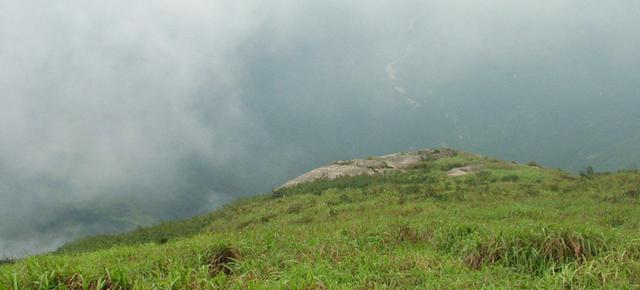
x,y
501,225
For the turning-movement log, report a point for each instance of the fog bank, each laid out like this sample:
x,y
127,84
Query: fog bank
x,y
119,114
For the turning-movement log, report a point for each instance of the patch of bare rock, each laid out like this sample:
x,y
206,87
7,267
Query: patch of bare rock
x,y
460,171
370,166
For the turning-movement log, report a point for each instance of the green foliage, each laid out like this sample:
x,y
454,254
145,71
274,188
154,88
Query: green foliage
x,y
536,252
7,260
161,234
533,164
510,178
506,226
588,172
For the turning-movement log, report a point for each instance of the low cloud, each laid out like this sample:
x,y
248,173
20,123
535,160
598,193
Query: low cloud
x,y
119,114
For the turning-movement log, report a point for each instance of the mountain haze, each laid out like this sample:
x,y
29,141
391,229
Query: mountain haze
x,y
498,225
115,115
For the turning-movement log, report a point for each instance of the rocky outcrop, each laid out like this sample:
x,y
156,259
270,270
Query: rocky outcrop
x,y
460,171
370,166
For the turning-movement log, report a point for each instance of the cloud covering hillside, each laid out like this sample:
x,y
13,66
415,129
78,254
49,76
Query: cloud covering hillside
x,y
115,114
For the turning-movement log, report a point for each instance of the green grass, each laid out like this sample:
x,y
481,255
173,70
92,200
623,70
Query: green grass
x,y
161,233
508,226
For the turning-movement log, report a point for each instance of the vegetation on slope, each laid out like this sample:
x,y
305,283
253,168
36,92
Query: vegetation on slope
x,y
506,226
160,234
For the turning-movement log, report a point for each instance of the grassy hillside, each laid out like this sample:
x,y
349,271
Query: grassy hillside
x,y
506,226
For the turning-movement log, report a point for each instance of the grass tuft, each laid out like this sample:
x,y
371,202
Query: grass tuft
x,y
537,252
219,259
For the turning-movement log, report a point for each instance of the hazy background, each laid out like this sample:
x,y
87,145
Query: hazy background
x,y
118,113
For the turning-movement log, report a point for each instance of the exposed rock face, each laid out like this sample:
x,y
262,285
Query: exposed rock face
x,y
370,166
460,171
